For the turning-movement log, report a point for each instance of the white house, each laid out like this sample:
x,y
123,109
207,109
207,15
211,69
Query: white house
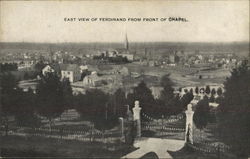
x,y
92,80
71,71
83,68
47,69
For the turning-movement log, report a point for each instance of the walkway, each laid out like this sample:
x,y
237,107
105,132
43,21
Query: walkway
x,y
157,145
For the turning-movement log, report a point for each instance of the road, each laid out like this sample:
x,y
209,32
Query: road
x,y
157,145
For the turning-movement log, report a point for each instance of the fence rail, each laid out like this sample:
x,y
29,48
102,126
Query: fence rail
x,y
171,119
88,136
159,127
210,148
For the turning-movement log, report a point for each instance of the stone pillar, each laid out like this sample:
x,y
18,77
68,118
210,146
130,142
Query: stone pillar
x,y
189,124
122,126
137,118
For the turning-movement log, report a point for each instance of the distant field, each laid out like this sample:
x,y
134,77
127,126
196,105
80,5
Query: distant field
x,y
180,75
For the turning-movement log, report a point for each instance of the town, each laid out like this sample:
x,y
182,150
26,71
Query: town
x,y
110,69
93,95
125,79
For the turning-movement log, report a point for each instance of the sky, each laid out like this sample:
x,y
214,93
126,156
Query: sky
x,y
43,21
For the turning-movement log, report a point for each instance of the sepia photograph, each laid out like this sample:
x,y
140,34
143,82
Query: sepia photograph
x,y
125,79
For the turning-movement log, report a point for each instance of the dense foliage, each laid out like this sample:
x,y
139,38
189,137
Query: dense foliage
x,y
202,113
234,111
8,67
15,102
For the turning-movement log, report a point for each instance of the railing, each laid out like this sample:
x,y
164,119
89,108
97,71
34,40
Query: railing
x,y
92,135
216,149
159,127
172,119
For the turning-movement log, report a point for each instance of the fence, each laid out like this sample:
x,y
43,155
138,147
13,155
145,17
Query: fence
x,y
92,135
159,127
170,119
216,149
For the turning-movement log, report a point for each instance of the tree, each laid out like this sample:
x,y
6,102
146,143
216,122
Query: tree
x,y
186,99
39,66
144,95
94,106
25,109
212,99
8,86
50,97
234,111
191,91
8,97
26,76
67,93
185,90
119,102
7,67
180,89
219,91
201,114
170,103
213,92
167,93
197,90
207,90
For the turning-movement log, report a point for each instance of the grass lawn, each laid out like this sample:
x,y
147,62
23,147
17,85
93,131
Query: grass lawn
x,y
16,146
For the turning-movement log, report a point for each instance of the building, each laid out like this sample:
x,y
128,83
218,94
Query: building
x,y
52,68
130,57
83,68
92,80
47,69
71,72
173,58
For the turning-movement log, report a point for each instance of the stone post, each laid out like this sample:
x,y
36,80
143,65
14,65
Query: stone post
x,y
122,126
137,118
189,124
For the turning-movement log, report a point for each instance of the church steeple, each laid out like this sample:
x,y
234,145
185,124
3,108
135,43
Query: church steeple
x,y
126,42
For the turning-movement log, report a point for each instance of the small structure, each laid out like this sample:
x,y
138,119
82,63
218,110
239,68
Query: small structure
x,y
137,118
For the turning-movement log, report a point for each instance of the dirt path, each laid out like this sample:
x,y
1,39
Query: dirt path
x,y
156,145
